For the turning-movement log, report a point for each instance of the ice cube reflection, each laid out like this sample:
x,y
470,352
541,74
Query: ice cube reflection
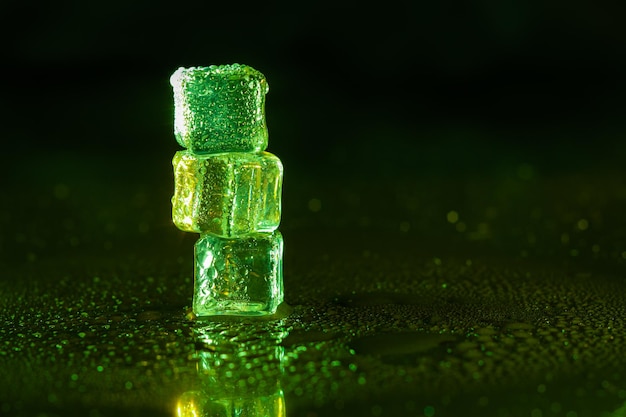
x,y
239,367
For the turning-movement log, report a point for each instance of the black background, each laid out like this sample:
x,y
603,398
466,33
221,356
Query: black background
x,y
464,159
407,88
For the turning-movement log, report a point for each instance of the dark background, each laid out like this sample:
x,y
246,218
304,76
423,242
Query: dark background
x,y
446,167
409,88
366,106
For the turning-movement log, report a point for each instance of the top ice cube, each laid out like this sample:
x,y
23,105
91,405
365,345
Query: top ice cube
x,y
220,108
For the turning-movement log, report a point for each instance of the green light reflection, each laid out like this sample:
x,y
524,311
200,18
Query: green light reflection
x,y
239,370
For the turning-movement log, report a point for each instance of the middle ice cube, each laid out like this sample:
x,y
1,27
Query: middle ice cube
x,y
227,194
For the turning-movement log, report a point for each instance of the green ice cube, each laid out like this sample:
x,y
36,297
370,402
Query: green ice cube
x,y
220,108
228,194
241,276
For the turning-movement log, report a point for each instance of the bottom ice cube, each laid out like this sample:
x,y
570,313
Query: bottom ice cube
x,y
238,276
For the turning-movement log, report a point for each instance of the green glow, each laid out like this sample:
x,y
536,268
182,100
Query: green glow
x,y
228,194
239,370
241,276
620,412
228,189
220,108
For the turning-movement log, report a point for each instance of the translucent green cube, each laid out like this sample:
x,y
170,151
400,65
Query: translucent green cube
x,y
229,194
220,108
241,276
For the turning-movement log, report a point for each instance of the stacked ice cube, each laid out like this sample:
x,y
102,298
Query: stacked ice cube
x,y
228,189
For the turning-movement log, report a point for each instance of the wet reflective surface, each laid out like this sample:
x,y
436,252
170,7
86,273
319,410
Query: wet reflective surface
x,y
420,296
453,212
240,368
